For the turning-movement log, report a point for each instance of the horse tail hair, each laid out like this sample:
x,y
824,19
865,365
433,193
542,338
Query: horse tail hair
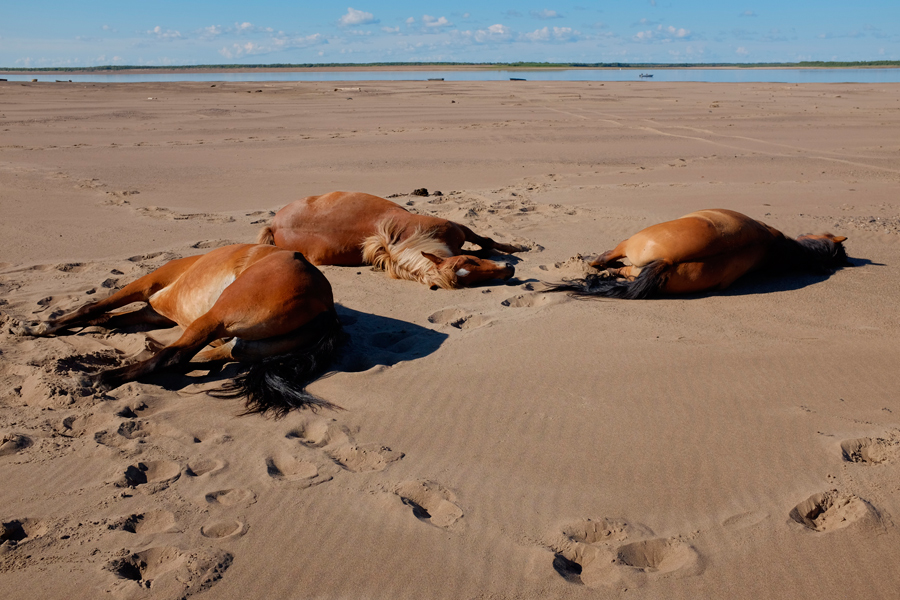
x,y
819,254
266,236
277,385
648,283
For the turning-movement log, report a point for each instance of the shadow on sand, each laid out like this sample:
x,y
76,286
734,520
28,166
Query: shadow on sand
x,y
372,340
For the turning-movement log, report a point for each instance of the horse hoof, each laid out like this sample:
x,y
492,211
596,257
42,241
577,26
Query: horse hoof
x,y
34,329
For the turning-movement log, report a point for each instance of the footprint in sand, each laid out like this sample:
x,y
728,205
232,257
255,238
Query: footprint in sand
x,y
367,457
320,433
18,530
457,318
831,510
430,502
220,530
599,553
231,497
154,521
289,468
125,433
530,300
870,451
155,474
204,466
172,573
13,443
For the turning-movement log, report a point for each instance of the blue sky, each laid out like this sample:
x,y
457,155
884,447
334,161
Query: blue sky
x,y
166,32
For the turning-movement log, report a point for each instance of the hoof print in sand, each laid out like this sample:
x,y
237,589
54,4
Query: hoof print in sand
x,y
204,466
170,572
154,521
231,497
869,451
156,475
285,467
220,530
656,556
19,530
367,457
457,318
431,503
531,300
13,443
592,553
320,433
830,510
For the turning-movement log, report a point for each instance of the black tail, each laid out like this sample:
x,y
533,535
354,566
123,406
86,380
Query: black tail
x,y
646,284
277,384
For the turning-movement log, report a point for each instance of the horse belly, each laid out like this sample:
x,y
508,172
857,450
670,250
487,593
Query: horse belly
x,y
716,272
186,303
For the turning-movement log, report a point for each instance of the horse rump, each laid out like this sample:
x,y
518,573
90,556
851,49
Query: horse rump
x,y
276,385
647,284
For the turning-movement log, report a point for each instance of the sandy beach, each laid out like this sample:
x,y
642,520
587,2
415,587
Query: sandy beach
x,y
496,443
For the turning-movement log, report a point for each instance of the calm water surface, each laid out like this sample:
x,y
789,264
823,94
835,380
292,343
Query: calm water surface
x,y
871,75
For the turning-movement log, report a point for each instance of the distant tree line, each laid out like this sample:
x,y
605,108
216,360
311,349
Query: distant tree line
x,y
487,65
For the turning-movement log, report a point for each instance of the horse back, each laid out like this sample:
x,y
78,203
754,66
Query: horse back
x,y
697,236
330,229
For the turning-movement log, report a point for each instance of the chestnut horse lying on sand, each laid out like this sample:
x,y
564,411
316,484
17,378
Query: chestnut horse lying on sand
x,y
271,307
353,228
705,250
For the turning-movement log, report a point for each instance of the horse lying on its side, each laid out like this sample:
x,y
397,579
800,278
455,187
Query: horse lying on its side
x,y
353,228
269,307
705,250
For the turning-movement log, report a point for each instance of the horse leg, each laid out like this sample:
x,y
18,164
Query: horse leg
x,y
627,272
610,257
487,244
94,313
197,335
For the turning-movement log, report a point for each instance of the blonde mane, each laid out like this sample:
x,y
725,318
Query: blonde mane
x,y
404,259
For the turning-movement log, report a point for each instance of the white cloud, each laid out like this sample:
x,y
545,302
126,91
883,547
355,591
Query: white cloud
x,y
435,23
545,14
747,13
662,34
168,34
391,29
741,51
546,34
494,33
357,17
239,50
110,29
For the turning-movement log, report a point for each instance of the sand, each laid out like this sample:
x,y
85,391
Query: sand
x,y
496,443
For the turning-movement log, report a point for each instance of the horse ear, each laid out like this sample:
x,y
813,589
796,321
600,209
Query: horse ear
x,y
838,239
435,259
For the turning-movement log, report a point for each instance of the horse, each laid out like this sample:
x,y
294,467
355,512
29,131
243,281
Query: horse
x,y
704,250
258,304
354,228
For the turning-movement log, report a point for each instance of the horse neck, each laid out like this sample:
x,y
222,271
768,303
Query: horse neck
x,y
394,249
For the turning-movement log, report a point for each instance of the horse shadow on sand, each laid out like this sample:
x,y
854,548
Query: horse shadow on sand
x,y
371,341
767,283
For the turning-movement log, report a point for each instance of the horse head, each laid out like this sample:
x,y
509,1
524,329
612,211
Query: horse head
x,y
824,250
464,270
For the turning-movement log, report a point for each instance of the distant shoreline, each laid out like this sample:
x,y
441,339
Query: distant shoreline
x,y
281,68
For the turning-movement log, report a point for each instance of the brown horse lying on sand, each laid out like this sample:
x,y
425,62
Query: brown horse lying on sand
x,y
353,228
270,306
705,250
